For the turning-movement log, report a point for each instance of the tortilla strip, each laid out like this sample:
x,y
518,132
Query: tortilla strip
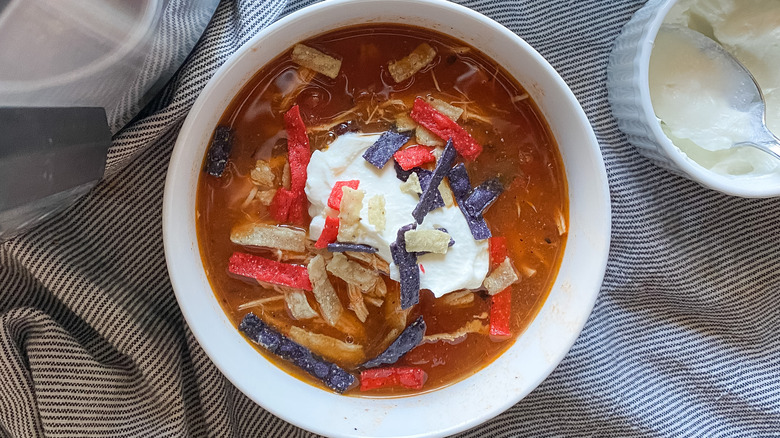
x,y
329,348
323,291
269,236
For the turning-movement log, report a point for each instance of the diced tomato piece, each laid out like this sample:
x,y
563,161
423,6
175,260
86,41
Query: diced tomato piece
x,y
498,251
444,127
500,314
298,151
407,377
269,271
334,200
414,156
329,232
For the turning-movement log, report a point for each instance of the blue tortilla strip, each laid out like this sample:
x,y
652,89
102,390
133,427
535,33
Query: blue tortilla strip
x,y
428,197
483,196
402,174
477,225
354,247
459,181
333,376
219,151
425,177
409,271
404,343
383,149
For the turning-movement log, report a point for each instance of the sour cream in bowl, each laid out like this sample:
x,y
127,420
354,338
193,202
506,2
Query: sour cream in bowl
x,y
679,107
332,257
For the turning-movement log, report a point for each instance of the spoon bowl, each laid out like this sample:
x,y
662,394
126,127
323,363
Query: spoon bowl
x,y
742,89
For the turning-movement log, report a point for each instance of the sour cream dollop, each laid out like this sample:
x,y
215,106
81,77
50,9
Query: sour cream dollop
x,y
465,264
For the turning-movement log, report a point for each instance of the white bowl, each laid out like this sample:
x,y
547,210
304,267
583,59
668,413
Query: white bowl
x,y
629,97
477,398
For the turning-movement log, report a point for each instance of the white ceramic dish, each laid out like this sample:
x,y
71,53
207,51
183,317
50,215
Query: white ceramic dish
x,y
477,398
629,96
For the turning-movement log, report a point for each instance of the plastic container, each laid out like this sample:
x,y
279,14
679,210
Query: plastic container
x,y
629,96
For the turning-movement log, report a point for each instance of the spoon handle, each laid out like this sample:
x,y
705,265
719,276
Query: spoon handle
x,y
763,139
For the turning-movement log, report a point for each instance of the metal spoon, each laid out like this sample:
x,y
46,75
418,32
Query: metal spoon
x,y
746,95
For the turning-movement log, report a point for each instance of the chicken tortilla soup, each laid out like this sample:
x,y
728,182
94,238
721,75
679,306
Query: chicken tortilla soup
x,y
382,210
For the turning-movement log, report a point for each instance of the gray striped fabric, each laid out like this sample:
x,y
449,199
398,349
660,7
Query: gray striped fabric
x,y
682,340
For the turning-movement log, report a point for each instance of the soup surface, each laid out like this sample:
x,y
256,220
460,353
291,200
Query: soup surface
x,y
463,330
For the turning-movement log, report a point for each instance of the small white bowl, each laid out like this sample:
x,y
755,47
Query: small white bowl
x,y
629,96
477,398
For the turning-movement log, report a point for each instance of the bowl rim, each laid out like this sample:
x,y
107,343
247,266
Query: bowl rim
x,y
566,329
734,186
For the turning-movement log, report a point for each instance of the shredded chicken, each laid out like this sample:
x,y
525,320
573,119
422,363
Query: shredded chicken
x,y
260,302
352,272
459,298
374,261
356,303
560,222
376,302
474,326
304,78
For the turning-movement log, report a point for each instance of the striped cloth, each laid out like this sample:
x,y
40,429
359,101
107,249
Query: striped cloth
x,y
681,341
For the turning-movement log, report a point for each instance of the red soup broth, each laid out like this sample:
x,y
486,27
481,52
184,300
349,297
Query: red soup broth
x,y
519,149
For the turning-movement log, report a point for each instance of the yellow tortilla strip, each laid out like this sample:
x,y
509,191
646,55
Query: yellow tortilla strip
x,y
269,236
349,214
451,111
501,278
314,59
332,349
407,66
376,212
262,175
323,291
435,241
412,185
298,305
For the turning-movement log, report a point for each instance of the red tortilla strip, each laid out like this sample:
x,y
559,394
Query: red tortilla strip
x,y
414,156
334,200
500,315
444,127
498,251
298,149
289,206
269,271
329,232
